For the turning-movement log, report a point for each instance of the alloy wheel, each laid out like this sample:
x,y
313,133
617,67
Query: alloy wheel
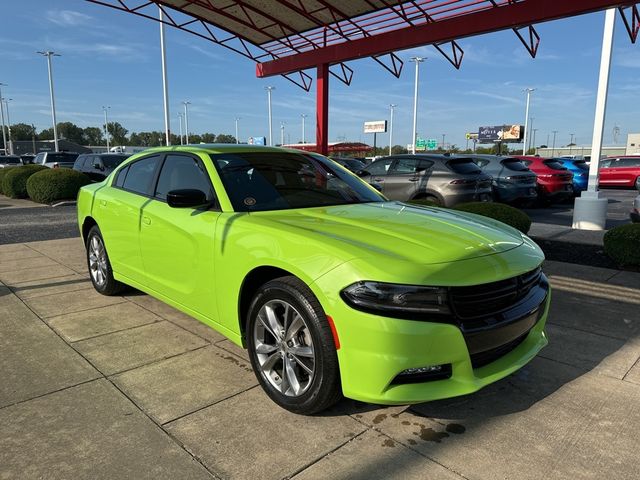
x,y
284,348
97,261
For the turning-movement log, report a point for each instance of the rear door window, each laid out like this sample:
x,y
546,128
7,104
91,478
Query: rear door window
x,y
380,167
463,166
404,166
628,162
141,175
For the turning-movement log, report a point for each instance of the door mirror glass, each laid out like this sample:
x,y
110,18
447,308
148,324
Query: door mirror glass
x,y
186,198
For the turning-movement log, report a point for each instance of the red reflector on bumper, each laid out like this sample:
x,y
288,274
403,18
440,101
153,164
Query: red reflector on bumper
x,y
334,332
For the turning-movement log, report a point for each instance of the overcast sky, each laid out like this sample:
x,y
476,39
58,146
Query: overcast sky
x,y
113,58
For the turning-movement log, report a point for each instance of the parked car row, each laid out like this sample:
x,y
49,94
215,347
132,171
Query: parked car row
x,y
447,180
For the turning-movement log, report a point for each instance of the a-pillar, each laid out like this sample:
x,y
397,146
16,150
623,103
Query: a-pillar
x,y
322,109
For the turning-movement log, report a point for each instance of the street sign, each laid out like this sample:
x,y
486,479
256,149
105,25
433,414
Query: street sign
x,y
432,144
421,144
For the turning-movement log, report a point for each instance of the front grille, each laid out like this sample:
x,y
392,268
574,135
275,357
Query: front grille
x,y
489,299
481,359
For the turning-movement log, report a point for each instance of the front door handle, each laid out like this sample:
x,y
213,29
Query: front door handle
x,y
414,179
146,220
378,179
103,203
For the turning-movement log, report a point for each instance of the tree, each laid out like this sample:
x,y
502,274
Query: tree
x,y
118,133
92,136
21,132
46,134
224,138
147,139
211,138
398,150
71,132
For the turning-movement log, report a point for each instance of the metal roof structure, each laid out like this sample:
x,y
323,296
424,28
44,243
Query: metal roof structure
x,y
287,37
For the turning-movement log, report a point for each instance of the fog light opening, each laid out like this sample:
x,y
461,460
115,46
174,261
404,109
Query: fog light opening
x,y
427,373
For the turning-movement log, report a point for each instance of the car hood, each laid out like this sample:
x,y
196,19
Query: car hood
x,y
418,234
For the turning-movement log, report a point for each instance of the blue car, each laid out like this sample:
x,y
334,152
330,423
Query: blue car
x,y
580,171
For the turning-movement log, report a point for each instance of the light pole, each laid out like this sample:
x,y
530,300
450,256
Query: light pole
x,y
443,135
571,142
303,116
165,84
391,107
50,54
186,121
553,149
531,119
533,140
180,120
417,61
6,104
106,125
237,138
269,90
4,135
281,133
526,120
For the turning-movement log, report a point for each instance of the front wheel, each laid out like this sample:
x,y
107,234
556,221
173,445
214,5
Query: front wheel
x,y
291,347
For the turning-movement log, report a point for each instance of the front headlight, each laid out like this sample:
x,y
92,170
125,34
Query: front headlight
x,y
396,299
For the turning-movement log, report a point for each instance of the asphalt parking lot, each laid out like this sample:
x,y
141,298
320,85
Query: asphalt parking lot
x,y
24,221
127,387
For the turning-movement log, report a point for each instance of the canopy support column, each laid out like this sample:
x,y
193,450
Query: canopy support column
x,y
322,109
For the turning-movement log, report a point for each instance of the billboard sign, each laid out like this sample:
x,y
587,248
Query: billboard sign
x,y
500,133
257,141
378,126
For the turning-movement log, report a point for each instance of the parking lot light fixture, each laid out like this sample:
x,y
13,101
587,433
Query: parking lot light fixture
x,y
6,106
282,133
269,90
417,61
180,120
526,120
4,135
106,126
303,115
571,142
237,138
50,54
553,148
165,82
186,121
391,107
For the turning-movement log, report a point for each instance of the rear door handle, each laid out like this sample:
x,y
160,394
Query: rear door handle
x,y
146,220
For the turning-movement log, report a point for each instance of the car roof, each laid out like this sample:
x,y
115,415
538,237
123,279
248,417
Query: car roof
x,y
219,148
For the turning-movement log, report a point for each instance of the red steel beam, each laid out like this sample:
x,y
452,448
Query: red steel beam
x,y
509,16
322,109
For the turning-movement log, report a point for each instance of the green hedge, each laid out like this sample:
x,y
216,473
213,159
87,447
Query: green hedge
x,y
622,244
422,201
54,184
14,183
3,172
498,211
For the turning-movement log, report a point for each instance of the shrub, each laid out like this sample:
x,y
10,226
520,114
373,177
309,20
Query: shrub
x,y
3,172
621,244
424,202
53,184
14,183
498,211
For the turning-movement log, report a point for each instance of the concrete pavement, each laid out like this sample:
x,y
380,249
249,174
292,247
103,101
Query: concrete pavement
x,y
127,387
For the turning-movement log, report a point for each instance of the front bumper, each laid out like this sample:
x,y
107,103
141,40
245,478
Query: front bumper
x,y
375,349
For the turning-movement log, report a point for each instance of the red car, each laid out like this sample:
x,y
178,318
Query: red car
x,y
620,172
555,182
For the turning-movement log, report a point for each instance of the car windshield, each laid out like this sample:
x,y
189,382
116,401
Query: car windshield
x,y
355,164
464,165
515,164
554,164
112,161
259,181
62,157
581,164
9,160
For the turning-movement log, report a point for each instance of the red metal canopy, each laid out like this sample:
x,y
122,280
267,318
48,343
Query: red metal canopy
x,y
285,37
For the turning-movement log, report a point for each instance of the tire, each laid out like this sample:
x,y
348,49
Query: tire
x,y
433,199
99,266
638,184
304,344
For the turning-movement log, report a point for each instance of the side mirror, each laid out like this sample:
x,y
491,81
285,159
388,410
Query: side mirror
x,y
361,173
186,198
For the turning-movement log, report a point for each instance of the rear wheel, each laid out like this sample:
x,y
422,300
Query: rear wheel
x,y
291,347
99,266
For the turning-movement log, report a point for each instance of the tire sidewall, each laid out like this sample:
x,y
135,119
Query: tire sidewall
x,y
109,284
276,290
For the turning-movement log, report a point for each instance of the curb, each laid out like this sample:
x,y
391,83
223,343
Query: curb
x,y
64,203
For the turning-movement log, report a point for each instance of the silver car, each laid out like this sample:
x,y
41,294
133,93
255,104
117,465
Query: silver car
x,y
56,159
635,211
9,161
442,179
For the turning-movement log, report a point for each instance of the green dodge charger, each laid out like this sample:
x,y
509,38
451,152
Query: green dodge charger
x,y
332,289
